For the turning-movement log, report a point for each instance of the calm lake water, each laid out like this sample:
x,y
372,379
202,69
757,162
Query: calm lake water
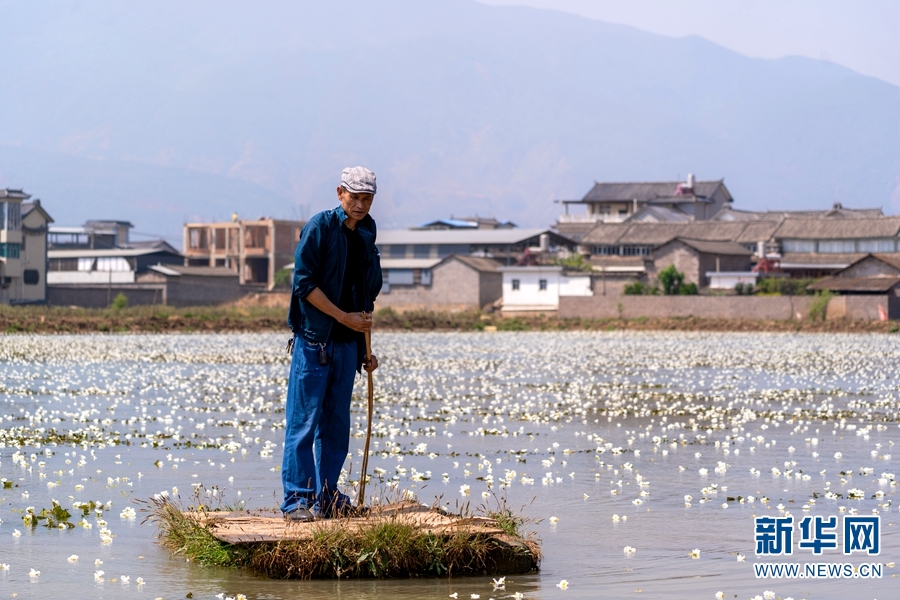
x,y
598,436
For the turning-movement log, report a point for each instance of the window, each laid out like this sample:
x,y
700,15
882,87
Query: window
x,y
400,276
635,251
115,263
9,250
542,285
63,264
31,277
605,250
837,246
396,251
426,277
422,251
798,245
886,245
515,285
448,249
10,216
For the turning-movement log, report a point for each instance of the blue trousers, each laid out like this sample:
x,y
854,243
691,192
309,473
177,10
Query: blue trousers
x,y
317,434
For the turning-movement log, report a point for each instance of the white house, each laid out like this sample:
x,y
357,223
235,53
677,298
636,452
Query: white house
x,y
538,288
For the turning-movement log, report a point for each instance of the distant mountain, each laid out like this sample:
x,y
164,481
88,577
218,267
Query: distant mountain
x,y
169,110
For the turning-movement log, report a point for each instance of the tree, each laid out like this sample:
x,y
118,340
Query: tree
x,y
120,301
671,280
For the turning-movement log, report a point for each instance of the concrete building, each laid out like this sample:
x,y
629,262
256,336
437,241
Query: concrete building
x,y
254,250
23,249
452,283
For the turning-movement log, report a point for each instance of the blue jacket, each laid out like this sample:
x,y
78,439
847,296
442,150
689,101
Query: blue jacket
x,y
319,262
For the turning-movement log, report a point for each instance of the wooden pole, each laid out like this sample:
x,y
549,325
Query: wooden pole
x,y
361,498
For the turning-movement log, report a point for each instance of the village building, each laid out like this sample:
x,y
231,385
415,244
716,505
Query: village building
x,y
101,253
475,222
23,248
700,259
253,250
537,289
506,245
453,283
90,265
643,202
178,285
871,274
868,288
790,246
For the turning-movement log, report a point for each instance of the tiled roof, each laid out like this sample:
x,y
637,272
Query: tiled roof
x,y
646,191
856,284
813,229
485,265
724,248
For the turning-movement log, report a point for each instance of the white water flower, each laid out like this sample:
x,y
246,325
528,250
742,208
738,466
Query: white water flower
x,y
695,553
563,585
73,558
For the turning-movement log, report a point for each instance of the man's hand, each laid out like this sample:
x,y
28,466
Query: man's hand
x,y
357,321
370,364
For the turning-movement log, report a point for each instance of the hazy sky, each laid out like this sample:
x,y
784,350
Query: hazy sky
x,y
863,34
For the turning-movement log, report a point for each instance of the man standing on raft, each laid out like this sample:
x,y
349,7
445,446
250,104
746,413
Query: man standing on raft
x,y
337,275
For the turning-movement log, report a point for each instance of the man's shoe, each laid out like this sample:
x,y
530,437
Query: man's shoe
x,y
300,514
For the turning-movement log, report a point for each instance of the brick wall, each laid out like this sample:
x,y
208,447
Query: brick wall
x,y
101,296
860,307
190,290
711,307
781,308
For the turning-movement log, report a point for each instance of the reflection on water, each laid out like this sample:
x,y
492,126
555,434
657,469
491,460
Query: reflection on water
x,y
605,432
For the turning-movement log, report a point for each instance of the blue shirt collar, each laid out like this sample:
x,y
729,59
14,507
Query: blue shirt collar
x,y
342,216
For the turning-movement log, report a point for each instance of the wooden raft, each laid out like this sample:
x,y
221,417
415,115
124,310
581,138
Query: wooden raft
x,y
248,527
261,526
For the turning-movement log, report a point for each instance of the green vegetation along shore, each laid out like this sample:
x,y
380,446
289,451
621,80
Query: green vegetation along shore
x,y
236,318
